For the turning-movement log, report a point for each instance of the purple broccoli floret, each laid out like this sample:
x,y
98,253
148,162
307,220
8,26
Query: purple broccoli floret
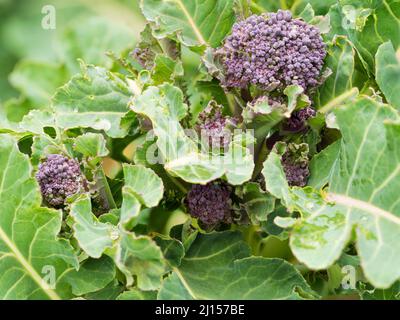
x,y
215,127
273,51
210,203
298,121
295,164
59,177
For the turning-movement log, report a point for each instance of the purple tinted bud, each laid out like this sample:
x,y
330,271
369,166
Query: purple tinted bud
x,y
214,127
297,122
145,57
295,164
210,203
59,177
263,49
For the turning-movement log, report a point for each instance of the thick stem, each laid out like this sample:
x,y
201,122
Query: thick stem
x,y
104,190
259,158
179,185
246,95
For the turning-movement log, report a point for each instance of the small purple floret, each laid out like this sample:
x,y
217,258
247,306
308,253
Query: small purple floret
x,y
59,177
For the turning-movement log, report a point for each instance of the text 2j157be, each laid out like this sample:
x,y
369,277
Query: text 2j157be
x,y
207,310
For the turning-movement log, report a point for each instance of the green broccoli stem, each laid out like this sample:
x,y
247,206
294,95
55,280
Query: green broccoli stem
x,y
259,158
104,189
178,184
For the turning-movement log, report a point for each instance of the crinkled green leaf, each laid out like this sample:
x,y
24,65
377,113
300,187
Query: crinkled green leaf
x,y
166,69
140,256
91,145
257,203
38,80
180,153
218,266
172,250
90,40
392,293
195,22
368,25
93,236
361,196
275,178
388,73
321,165
96,98
93,275
36,120
136,294
341,61
142,187
31,254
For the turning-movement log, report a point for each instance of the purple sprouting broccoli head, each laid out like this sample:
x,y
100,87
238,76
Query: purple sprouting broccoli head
x,y
210,203
214,127
59,177
273,51
295,164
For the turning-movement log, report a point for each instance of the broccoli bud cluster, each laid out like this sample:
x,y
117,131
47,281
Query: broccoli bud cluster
x,y
215,127
59,177
273,51
295,164
297,121
210,203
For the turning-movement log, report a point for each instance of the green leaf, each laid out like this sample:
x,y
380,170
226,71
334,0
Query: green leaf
x,y
91,145
93,275
196,22
136,294
320,7
388,73
36,120
90,39
32,257
142,187
180,153
218,266
341,61
93,236
275,178
96,98
392,293
146,185
166,69
361,196
140,256
262,118
368,24
174,289
321,165
172,250
38,80
257,203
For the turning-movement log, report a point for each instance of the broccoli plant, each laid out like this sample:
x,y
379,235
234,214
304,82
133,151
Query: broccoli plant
x,y
234,150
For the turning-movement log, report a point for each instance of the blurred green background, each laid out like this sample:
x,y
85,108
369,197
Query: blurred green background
x,y
34,61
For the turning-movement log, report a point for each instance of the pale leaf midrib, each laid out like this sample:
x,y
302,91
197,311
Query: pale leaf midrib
x,y
29,269
197,32
364,206
184,283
